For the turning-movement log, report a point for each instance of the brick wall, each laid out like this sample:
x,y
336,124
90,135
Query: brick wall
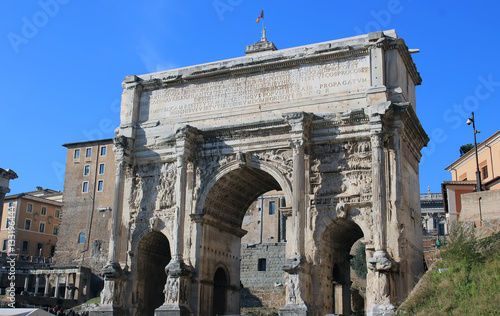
x,y
87,213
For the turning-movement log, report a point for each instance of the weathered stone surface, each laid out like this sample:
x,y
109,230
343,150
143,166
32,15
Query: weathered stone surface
x,y
332,125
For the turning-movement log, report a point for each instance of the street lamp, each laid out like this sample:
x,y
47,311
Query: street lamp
x,y
478,173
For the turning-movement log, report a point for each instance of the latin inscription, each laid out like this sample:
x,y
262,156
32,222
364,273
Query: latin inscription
x,y
332,78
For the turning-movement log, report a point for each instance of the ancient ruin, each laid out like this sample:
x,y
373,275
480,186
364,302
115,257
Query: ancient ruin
x,y
332,125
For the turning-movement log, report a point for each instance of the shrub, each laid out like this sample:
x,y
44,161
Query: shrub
x,y
358,262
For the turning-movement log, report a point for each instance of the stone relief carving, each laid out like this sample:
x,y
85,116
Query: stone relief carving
x,y
293,288
152,197
166,187
153,187
341,172
171,290
209,164
281,159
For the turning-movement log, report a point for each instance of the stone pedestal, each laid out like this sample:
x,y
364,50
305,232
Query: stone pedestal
x,y
293,310
381,265
111,295
172,310
177,290
295,286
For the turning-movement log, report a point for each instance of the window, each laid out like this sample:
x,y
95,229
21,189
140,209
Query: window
x,y
29,208
43,211
52,250
261,266
7,221
42,227
103,151
101,168
57,213
25,246
85,187
88,153
271,207
100,185
77,154
27,224
484,172
81,238
86,170
54,230
5,242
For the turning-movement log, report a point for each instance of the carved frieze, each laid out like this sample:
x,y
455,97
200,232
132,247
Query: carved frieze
x,y
341,172
209,164
281,159
153,188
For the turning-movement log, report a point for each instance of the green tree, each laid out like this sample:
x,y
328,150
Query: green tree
x,y
358,261
465,149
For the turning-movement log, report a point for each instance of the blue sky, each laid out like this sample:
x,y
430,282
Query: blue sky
x,y
63,61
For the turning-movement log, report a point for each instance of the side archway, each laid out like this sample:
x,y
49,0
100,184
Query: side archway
x,y
221,284
336,243
153,254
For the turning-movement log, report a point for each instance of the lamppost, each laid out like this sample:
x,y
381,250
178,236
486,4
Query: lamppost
x,y
478,173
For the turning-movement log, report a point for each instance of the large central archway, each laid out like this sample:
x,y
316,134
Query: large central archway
x,y
224,206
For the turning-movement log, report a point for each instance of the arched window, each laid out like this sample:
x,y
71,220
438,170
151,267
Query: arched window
x,y
81,238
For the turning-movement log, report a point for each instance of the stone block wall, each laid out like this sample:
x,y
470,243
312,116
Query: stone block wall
x,y
476,205
263,288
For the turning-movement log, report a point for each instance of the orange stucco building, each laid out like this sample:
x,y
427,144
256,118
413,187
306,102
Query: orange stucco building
x,y
36,218
463,173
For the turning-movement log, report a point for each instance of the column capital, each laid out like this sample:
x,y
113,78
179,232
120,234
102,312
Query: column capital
x,y
377,139
299,121
381,262
177,268
293,264
122,147
7,174
112,271
297,146
185,139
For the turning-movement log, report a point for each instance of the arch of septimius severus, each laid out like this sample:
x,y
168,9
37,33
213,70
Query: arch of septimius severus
x,y
332,125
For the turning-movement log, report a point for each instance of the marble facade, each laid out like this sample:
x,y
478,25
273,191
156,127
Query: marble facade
x,y
332,125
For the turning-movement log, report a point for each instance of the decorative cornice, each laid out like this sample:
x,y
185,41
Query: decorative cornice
x,y
400,45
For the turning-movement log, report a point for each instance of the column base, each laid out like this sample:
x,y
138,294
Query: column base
x,y
172,310
293,310
385,309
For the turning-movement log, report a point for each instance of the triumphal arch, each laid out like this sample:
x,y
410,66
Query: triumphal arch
x,y
332,125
